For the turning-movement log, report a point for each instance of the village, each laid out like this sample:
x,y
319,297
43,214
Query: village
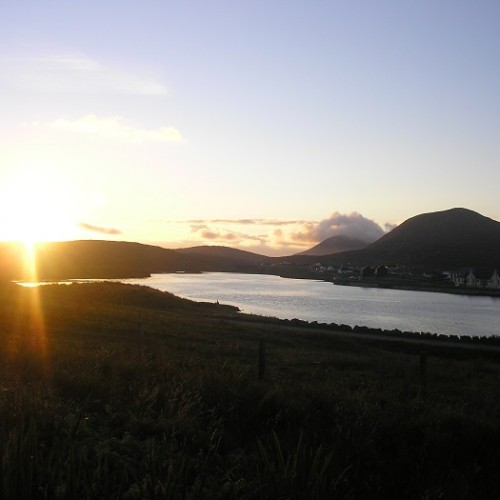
x,y
395,277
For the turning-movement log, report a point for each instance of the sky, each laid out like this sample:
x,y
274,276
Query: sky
x,y
265,125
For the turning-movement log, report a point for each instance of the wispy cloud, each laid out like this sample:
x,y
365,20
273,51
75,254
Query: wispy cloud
x,y
114,128
215,234
212,235
284,222
306,232
260,222
75,73
281,237
99,229
221,221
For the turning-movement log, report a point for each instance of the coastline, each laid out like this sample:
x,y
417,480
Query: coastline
x,y
419,287
413,283
427,338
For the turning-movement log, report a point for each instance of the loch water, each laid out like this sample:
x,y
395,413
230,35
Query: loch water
x,y
310,300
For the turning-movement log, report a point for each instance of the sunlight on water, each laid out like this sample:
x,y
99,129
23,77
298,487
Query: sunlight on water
x,y
324,302
320,301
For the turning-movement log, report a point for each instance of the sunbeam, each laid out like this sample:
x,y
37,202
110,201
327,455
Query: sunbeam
x,y
30,325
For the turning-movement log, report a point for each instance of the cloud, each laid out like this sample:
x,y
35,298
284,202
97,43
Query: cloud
x,y
261,222
389,227
282,239
74,74
352,225
284,236
284,222
98,229
223,221
211,235
114,128
208,233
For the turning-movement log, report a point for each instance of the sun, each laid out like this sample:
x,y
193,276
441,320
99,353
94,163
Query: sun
x,y
36,208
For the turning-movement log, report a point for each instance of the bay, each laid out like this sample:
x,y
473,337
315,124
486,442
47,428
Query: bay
x,y
309,300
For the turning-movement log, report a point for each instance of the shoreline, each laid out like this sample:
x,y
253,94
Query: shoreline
x,y
371,331
481,292
427,338
384,283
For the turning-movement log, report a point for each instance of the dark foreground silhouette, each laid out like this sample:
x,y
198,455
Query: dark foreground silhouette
x,y
116,391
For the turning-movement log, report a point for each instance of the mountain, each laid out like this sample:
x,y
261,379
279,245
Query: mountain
x,y
451,239
336,244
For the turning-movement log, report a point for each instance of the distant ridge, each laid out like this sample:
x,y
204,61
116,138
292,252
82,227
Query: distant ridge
x,y
336,244
224,252
113,259
449,240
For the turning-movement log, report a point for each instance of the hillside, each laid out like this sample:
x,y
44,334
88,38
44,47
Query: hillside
x,y
109,259
104,259
335,244
448,239
222,252
127,392
451,239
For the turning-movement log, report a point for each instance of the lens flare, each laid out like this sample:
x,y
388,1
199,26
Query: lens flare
x,y
30,320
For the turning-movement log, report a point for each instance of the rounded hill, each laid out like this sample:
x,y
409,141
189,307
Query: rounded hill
x,y
449,239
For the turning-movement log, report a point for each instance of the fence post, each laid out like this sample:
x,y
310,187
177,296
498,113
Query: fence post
x,y
407,380
141,339
262,359
423,374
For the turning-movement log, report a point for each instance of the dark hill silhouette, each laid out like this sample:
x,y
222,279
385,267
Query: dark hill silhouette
x,y
335,244
105,259
108,259
225,253
11,262
451,239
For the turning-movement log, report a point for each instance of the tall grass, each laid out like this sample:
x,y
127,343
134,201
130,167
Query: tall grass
x,y
161,399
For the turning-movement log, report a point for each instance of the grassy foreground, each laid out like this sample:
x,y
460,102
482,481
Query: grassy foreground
x,y
122,392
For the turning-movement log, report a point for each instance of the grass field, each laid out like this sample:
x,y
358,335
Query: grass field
x,y
122,392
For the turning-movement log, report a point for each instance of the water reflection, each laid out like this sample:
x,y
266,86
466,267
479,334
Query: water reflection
x,y
324,302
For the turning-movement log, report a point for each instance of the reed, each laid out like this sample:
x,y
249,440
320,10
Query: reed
x,y
175,408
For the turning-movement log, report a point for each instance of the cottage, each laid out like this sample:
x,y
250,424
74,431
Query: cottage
x,y
494,281
481,279
367,272
458,278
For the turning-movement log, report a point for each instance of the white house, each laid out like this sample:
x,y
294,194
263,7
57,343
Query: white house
x,y
494,281
458,278
476,279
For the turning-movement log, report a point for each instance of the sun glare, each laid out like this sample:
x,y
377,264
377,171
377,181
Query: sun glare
x,y
36,209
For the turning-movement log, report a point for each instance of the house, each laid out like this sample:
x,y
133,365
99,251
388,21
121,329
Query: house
x,y
494,281
458,278
471,280
346,270
367,272
481,279
318,267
